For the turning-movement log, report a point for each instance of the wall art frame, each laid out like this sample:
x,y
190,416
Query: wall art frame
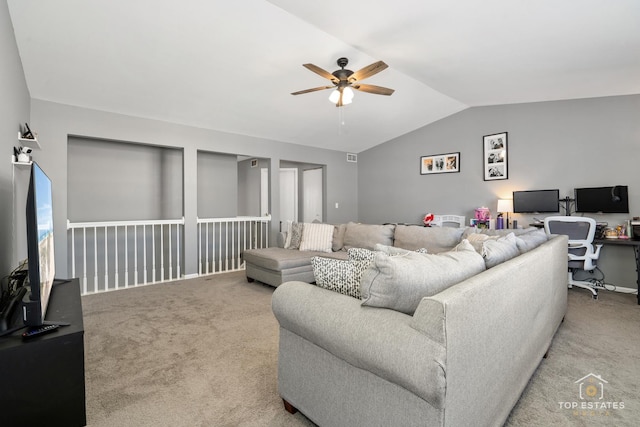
x,y
495,160
440,163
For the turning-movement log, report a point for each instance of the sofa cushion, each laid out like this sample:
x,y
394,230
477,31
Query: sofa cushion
x,y
338,275
499,233
400,282
499,250
367,235
434,239
279,259
528,241
317,237
477,240
338,237
294,235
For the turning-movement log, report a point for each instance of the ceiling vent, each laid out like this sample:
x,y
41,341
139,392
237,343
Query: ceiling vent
x,y
352,158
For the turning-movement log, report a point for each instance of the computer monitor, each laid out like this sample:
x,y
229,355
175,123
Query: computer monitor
x,y
536,201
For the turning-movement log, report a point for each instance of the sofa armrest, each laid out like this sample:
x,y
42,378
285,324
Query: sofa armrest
x,y
377,340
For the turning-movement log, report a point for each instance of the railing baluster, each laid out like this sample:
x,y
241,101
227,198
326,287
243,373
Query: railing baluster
x,y
106,260
115,257
153,253
170,253
161,253
135,255
84,254
144,252
126,256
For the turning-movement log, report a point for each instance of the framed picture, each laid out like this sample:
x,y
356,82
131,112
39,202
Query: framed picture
x,y
440,163
495,161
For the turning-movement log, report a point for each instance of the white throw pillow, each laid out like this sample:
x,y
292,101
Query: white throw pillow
x,y
498,251
316,237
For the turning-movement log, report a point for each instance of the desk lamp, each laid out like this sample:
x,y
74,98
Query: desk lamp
x,y
505,206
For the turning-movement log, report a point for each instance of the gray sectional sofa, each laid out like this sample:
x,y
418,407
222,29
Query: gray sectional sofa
x,y
459,356
277,265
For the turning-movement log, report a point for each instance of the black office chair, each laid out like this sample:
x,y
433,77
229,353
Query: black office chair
x,y
582,255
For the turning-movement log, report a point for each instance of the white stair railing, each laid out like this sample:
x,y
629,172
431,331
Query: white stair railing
x,y
121,254
221,241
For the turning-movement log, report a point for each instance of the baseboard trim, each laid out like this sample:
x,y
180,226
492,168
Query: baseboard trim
x,y
190,276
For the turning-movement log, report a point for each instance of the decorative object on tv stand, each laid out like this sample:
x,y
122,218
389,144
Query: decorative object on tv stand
x,y
495,161
440,163
505,206
428,218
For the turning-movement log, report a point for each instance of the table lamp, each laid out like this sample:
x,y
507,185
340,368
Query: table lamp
x,y
505,206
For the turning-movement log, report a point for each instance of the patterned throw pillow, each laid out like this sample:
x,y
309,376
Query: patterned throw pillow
x,y
360,254
339,275
296,236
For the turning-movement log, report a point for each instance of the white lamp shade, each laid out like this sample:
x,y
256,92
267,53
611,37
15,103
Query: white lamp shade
x,y
347,96
505,205
334,97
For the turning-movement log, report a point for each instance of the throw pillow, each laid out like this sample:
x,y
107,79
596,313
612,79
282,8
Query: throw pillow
x,y
500,250
477,240
528,241
360,254
316,237
339,275
294,236
400,282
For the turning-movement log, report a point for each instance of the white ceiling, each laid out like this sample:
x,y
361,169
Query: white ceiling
x,y
231,65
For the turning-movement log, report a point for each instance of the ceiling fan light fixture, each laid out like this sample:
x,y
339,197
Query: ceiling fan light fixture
x,y
347,95
334,97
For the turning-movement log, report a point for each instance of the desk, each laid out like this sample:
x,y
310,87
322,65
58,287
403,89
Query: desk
x,y
635,244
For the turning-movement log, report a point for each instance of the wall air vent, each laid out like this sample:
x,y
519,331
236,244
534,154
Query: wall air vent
x,y
353,158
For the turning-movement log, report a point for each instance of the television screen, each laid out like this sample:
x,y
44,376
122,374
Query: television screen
x,y
536,201
41,270
602,199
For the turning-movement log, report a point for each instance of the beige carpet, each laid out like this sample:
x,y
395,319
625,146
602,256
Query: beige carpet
x,y
203,352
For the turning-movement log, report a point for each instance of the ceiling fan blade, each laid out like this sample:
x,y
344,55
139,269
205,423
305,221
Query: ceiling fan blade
x,y
319,71
300,92
378,90
368,71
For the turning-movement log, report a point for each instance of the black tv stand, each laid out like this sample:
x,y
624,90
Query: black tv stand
x,y
43,377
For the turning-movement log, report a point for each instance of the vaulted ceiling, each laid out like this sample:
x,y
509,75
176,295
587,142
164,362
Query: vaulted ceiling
x,y
232,65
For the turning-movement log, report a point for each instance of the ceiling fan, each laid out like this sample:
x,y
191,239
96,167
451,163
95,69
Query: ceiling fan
x,y
343,80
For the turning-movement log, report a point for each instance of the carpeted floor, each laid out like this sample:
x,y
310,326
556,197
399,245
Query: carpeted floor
x,y
203,352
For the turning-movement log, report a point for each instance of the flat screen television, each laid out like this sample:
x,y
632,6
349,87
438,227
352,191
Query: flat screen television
x,y
41,269
536,201
602,199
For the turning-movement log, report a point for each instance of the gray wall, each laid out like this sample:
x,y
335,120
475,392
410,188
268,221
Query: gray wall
x,y
55,122
217,185
249,181
562,144
14,111
116,181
